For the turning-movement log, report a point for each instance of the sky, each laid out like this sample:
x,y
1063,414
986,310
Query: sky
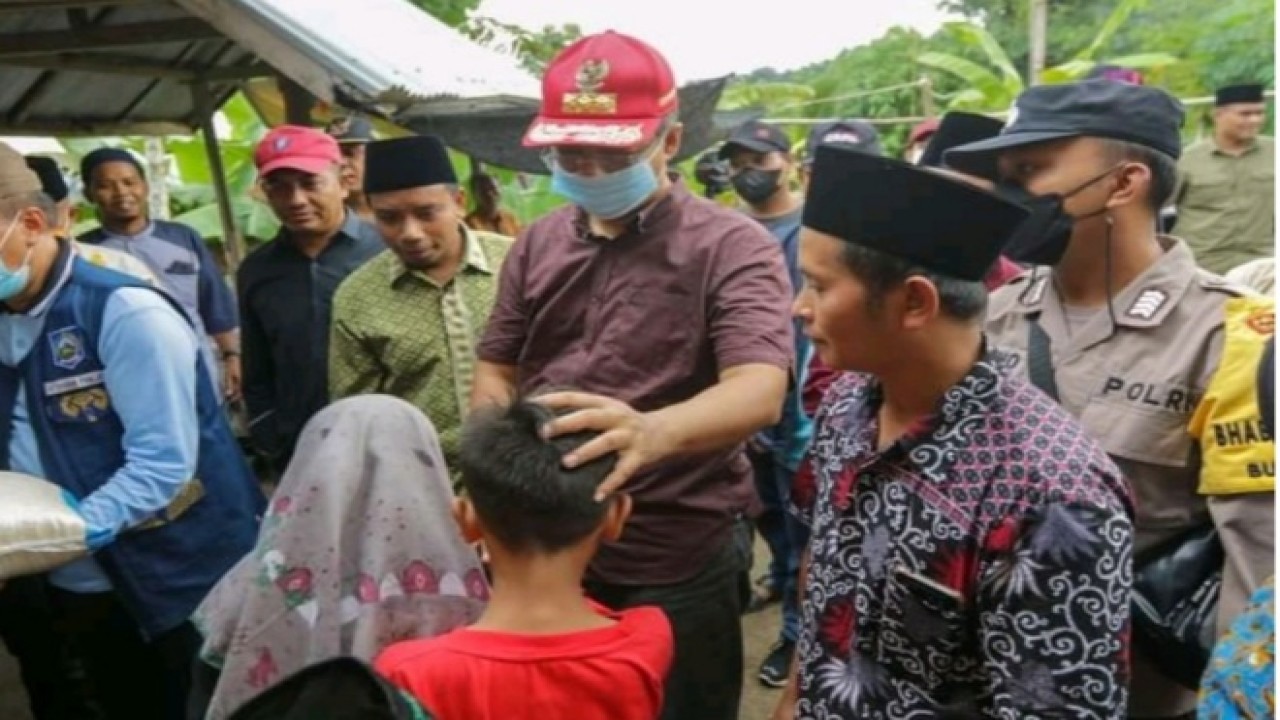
x,y
709,38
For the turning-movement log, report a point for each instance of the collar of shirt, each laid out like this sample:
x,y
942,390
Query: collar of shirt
x,y
1145,302
146,231
1254,147
648,220
347,232
931,443
474,259
59,274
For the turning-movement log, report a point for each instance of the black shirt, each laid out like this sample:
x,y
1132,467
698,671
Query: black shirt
x,y
286,301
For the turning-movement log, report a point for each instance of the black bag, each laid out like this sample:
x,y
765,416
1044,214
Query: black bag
x,y
1175,585
337,689
1175,603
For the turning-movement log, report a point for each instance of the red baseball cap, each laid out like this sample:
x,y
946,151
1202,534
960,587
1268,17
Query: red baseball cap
x,y
923,131
606,90
292,147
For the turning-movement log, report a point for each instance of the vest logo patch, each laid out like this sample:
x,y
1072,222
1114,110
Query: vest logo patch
x,y
83,406
67,345
1148,304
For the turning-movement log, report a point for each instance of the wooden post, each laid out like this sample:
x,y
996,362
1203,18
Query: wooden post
x,y
298,102
1039,34
158,172
927,106
230,235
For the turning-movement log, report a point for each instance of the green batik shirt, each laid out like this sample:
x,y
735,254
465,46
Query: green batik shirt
x,y
397,332
1226,204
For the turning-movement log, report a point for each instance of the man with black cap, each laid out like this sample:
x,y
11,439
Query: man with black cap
x,y
353,133
1226,190
1127,332
960,128
857,134
408,321
55,186
970,543
760,170
115,182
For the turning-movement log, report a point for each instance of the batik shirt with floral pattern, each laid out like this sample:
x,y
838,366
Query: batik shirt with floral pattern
x,y
978,567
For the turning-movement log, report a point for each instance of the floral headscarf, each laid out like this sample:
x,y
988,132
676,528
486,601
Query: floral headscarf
x,y
358,550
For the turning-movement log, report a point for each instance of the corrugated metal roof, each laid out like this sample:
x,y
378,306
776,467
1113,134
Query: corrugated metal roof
x,y
381,45
97,67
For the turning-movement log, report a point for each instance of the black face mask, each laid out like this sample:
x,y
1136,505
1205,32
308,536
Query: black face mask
x,y
1043,237
755,185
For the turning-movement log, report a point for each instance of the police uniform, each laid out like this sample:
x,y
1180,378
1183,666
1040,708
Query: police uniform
x,y
1148,377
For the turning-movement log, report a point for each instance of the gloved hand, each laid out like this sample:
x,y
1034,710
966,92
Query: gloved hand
x,y
96,538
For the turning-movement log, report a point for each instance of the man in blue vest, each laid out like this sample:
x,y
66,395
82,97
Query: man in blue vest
x,y
103,391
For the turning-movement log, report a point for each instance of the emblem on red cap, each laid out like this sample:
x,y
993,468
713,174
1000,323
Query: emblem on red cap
x,y
281,143
589,100
591,74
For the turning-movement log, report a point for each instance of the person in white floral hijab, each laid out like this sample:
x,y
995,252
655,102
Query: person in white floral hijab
x,y
357,551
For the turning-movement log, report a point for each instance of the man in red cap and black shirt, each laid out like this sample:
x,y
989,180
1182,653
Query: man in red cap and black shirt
x,y
286,287
669,315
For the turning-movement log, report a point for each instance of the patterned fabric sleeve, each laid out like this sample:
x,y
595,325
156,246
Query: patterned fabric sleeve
x,y
1054,618
352,371
804,485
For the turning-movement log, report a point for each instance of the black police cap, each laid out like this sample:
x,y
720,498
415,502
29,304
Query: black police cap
x,y
1138,114
956,129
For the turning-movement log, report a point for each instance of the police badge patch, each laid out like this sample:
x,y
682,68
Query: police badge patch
x,y
67,346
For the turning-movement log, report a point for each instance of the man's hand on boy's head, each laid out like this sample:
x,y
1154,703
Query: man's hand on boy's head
x,y
635,436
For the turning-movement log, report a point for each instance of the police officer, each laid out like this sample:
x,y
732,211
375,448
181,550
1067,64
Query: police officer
x,y
1128,330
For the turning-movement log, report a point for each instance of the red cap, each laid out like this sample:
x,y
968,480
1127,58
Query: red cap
x,y
606,90
923,131
292,147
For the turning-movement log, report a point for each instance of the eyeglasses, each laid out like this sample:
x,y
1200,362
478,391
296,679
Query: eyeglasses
x,y
576,160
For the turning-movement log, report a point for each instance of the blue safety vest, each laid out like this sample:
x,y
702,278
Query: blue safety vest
x,y
163,569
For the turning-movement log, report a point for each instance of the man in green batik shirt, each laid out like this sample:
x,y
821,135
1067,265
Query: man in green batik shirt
x,y
407,322
1226,185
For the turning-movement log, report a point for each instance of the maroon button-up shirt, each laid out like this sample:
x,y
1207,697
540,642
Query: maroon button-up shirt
x,y
650,318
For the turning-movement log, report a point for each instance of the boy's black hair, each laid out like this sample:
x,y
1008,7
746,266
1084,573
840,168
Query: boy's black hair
x,y
523,494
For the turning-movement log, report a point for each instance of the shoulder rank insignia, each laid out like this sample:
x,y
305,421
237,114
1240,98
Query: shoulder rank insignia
x,y
1148,304
1035,291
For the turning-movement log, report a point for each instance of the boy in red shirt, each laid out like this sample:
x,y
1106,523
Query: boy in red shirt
x,y
541,649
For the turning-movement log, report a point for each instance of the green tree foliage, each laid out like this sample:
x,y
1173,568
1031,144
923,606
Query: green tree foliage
x,y
536,48
994,84
1218,41
452,12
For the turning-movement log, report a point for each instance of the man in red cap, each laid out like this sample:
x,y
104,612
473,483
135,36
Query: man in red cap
x,y
286,286
918,140
668,314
